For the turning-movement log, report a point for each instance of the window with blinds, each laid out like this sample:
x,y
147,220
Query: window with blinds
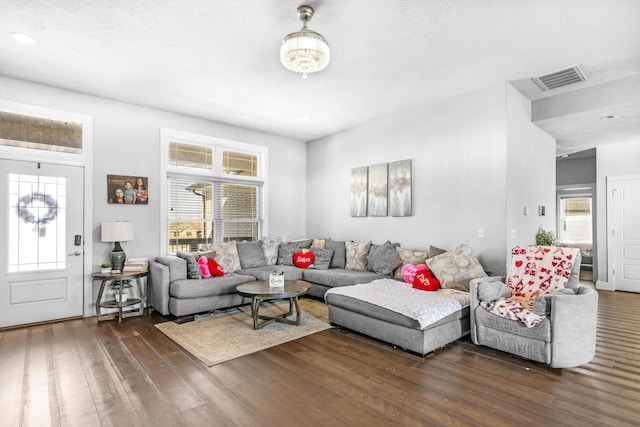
x,y
215,195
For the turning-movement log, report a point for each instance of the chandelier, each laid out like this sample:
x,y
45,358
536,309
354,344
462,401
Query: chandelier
x,y
304,51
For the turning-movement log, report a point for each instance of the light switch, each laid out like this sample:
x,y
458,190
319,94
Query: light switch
x,y
526,210
481,233
513,233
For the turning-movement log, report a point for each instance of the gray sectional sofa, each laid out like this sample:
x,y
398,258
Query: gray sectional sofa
x,y
171,292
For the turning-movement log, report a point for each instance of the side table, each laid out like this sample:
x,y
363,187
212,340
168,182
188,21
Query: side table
x,y
130,302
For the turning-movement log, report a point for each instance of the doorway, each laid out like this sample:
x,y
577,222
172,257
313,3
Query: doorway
x,y
575,207
42,245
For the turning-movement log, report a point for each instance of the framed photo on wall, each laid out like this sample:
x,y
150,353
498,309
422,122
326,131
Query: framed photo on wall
x,y
127,190
358,195
400,188
378,189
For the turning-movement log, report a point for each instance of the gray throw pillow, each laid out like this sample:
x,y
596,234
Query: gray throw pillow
x,y
323,259
339,258
383,259
434,251
193,269
251,254
286,251
491,291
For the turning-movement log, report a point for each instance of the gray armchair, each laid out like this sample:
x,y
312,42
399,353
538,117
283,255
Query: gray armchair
x,y
565,338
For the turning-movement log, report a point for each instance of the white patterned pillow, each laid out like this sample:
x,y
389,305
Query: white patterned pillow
x,y
317,244
227,256
270,247
454,269
409,257
357,255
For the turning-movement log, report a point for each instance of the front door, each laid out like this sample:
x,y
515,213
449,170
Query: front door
x,y
626,234
41,244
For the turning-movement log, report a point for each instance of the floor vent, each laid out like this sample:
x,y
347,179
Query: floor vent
x,y
560,78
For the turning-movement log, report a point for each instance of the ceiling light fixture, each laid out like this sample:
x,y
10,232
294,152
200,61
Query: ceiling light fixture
x,y
607,117
304,51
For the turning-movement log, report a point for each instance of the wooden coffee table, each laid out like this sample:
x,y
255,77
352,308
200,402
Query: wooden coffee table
x,y
260,291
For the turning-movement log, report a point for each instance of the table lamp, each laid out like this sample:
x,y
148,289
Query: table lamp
x,y
117,231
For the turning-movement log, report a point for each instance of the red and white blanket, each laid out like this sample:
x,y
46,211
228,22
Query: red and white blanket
x,y
535,270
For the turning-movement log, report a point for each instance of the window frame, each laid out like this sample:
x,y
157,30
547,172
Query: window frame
x,y
38,155
215,175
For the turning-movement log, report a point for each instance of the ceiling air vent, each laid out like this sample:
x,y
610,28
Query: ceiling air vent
x,y
560,78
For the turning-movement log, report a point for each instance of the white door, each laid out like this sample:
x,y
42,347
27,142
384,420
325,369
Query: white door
x,y
41,259
626,235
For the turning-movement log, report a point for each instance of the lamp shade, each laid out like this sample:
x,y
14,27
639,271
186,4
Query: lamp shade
x,y
117,231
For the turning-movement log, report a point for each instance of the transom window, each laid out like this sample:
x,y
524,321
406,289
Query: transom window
x,y
214,191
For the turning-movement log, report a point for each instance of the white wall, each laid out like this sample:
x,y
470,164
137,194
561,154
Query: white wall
x,y
613,160
531,174
457,150
477,161
126,142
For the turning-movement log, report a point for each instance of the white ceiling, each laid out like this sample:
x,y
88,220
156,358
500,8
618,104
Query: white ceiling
x,y
219,60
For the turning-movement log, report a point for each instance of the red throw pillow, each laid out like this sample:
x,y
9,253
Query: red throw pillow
x,y
214,268
303,259
425,281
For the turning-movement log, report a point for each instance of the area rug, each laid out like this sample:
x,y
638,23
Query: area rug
x,y
226,335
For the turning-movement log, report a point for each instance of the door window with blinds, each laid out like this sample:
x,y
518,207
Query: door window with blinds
x,y
214,192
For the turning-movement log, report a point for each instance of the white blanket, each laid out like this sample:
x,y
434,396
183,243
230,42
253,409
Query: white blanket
x,y
423,306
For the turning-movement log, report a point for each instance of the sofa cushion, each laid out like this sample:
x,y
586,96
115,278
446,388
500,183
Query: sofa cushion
x,y
540,331
383,259
262,273
357,255
251,254
286,251
193,269
270,247
193,288
339,249
456,268
409,257
340,277
227,256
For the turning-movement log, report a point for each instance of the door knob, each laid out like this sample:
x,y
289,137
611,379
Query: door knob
x,y
75,253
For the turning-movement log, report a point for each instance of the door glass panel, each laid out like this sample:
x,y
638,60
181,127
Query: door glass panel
x,y
36,223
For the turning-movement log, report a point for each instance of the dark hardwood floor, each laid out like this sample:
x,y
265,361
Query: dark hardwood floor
x,y
81,373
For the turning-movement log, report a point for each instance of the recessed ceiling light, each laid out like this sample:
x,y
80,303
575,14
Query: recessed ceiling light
x,y
23,38
307,119
607,117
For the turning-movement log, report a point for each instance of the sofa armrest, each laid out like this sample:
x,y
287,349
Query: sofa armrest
x,y
177,266
474,289
573,323
158,284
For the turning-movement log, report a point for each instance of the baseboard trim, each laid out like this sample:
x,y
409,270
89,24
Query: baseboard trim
x,y
604,286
